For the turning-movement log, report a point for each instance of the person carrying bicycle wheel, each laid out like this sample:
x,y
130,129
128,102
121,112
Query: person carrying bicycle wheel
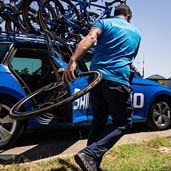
x,y
117,45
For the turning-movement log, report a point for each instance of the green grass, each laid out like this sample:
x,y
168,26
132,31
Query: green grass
x,y
153,155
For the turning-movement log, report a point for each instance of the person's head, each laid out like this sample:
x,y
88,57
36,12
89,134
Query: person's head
x,y
123,10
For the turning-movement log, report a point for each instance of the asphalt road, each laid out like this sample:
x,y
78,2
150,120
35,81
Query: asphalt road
x,y
39,145
51,143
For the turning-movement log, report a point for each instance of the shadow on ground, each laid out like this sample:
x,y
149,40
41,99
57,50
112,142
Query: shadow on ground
x,y
48,143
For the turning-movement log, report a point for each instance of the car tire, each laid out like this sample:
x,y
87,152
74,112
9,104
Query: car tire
x,y
159,115
10,129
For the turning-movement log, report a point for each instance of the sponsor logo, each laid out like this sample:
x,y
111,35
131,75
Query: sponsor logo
x,y
82,102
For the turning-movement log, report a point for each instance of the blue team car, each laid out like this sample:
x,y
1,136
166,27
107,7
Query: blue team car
x,y
25,67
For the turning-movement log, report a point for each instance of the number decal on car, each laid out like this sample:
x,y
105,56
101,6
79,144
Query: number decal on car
x,y
138,100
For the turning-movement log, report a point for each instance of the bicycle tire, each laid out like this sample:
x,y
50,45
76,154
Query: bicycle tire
x,y
87,25
93,17
17,112
30,15
13,21
57,24
72,15
11,26
48,12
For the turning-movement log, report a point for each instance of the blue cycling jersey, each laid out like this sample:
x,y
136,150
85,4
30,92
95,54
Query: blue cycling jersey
x,y
116,49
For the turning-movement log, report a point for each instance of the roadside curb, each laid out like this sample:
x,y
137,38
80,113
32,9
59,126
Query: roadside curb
x,y
142,136
126,139
12,155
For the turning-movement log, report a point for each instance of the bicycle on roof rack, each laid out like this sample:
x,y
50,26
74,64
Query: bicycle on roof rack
x,y
20,16
68,19
11,16
30,15
73,20
58,93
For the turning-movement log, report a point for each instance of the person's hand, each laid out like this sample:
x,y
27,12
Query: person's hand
x,y
69,72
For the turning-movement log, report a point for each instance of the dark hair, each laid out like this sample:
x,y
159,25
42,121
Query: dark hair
x,y
122,9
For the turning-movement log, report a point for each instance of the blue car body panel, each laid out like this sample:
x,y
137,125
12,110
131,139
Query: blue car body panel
x,y
9,85
144,93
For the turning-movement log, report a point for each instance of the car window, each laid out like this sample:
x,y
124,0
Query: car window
x,y
26,66
32,66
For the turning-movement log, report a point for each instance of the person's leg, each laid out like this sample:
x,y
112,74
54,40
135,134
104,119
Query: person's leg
x,y
100,114
100,118
119,103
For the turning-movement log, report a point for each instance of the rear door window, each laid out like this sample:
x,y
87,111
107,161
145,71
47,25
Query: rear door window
x,y
26,66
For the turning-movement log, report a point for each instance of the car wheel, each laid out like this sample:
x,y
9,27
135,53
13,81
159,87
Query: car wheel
x,y
160,115
10,129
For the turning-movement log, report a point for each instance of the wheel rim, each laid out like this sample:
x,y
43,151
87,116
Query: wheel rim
x,y
54,99
32,14
7,124
48,15
161,114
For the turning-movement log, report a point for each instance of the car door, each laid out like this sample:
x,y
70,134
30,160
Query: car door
x,y
59,54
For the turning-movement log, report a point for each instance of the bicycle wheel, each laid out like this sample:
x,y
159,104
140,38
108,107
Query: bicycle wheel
x,y
58,23
72,20
86,24
53,95
13,19
30,15
48,14
92,17
16,26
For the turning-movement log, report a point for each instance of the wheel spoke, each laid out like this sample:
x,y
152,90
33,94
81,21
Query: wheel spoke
x,y
60,96
4,134
166,119
160,106
156,113
7,119
159,120
166,110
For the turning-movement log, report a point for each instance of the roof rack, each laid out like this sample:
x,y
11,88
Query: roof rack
x,y
19,37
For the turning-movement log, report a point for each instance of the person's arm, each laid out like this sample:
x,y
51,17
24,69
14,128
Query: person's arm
x,y
81,49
